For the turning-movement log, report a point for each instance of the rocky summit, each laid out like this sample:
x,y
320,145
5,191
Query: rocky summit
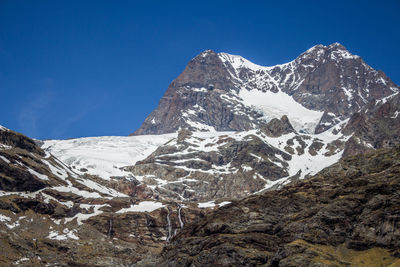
x,y
221,92
239,165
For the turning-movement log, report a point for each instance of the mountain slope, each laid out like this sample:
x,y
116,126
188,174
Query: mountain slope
x,y
348,214
222,92
208,166
52,216
376,126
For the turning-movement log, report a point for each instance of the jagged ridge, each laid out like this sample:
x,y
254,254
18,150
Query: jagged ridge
x,y
222,92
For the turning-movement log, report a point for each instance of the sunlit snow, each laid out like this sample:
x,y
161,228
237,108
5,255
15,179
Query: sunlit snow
x,y
144,206
275,105
104,156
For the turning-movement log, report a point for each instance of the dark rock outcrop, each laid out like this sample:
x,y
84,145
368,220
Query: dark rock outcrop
x,y
17,140
377,126
278,127
21,168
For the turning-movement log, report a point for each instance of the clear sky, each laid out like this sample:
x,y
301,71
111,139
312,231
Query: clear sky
x,y
89,68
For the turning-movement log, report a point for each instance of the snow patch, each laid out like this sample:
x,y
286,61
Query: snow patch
x,y
83,217
201,126
38,175
59,172
5,159
202,90
67,234
275,105
78,192
4,146
18,262
144,206
348,94
209,204
238,62
4,218
224,203
385,99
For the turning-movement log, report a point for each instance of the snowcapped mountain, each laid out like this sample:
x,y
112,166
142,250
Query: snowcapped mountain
x,y
295,119
221,92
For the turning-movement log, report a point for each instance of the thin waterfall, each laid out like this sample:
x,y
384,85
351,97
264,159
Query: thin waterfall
x,y
179,215
169,227
110,227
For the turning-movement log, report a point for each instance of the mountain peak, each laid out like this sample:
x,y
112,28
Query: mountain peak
x,y
337,46
206,53
335,51
333,46
238,62
225,92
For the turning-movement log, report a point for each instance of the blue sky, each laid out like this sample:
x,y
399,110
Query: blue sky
x,y
89,68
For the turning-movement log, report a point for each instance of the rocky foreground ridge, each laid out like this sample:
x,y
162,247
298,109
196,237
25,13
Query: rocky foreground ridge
x,y
346,215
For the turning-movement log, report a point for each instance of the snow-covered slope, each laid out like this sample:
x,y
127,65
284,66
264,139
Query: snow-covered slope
x,y
170,161
46,204
275,105
104,156
204,166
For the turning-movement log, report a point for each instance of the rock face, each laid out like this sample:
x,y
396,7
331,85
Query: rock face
x,y
347,214
322,87
20,166
377,126
10,138
278,127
